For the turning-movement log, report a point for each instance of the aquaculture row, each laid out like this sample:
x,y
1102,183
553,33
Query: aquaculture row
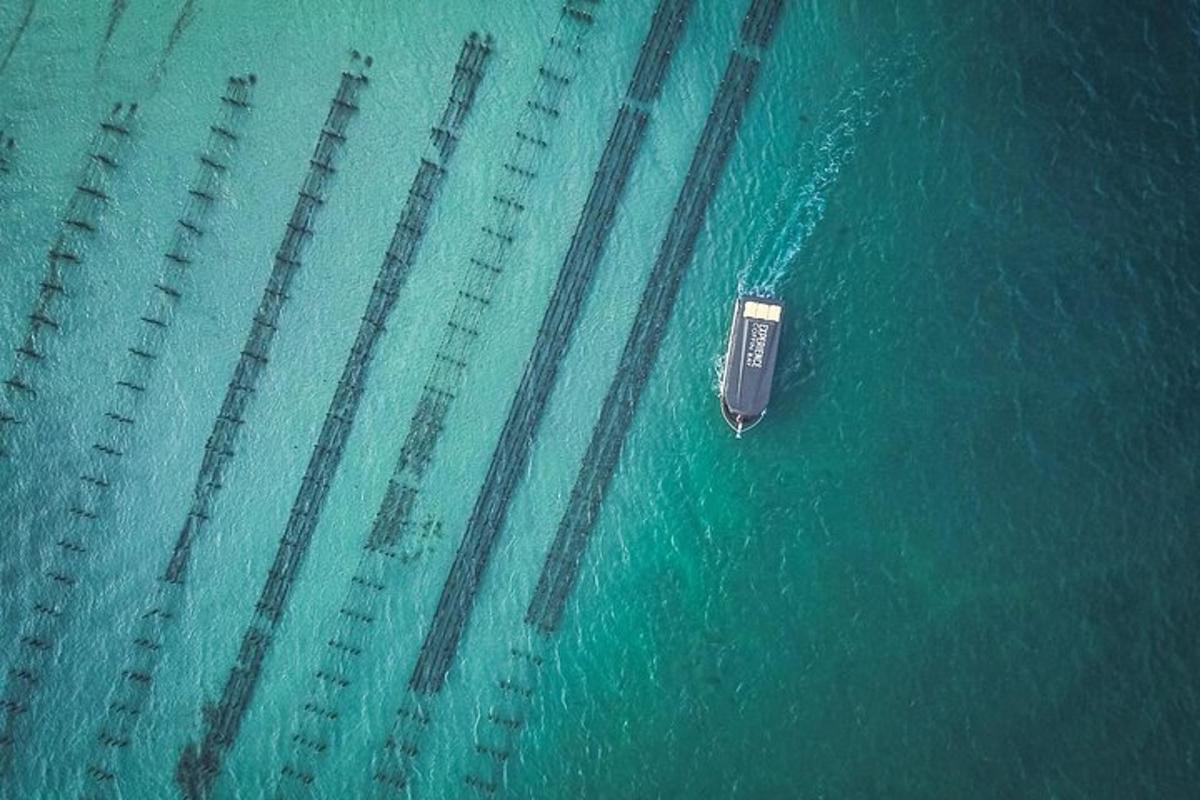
x,y
182,20
494,743
79,224
495,740
167,294
394,761
396,538
489,259
8,146
222,725
74,533
219,449
15,37
39,642
655,56
758,26
511,454
518,170
561,569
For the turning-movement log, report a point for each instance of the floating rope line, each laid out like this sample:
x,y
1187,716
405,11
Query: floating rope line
x,y
495,742
254,357
561,569
15,39
77,527
8,146
385,548
116,11
91,500
396,759
200,764
65,258
135,684
579,267
184,18
508,712
491,255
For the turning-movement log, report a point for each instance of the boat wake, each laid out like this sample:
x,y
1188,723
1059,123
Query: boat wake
x,y
819,163
1193,20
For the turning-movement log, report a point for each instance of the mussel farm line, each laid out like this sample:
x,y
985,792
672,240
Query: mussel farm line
x,y
182,20
116,11
8,146
78,525
15,37
562,313
490,258
255,353
397,539
167,294
496,741
39,645
134,685
200,764
80,223
395,759
561,569
513,689
497,734
322,704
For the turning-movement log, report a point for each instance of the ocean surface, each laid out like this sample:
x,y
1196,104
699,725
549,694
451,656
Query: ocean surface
x,y
958,558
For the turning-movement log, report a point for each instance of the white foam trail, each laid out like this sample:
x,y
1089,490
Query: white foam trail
x,y
820,162
718,372
1193,16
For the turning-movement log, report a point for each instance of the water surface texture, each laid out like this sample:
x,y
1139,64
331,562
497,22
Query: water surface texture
x,y
958,558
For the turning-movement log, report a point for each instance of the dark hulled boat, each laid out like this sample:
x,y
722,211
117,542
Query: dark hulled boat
x,y
750,361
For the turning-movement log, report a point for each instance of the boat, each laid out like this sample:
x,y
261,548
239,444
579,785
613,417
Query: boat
x,y
750,361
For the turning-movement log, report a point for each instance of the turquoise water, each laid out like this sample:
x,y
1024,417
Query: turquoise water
x,y
956,559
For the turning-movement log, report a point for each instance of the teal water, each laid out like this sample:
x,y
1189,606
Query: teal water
x,y
956,559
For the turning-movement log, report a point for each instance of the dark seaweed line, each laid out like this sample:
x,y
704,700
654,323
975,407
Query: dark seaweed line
x,y
560,572
114,439
495,742
486,266
758,26
253,358
252,362
41,648
510,455
22,26
401,748
521,166
79,518
166,294
512,451
561,569
80,222
654,58
199,765
351,628
182,20
115,12
7,145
